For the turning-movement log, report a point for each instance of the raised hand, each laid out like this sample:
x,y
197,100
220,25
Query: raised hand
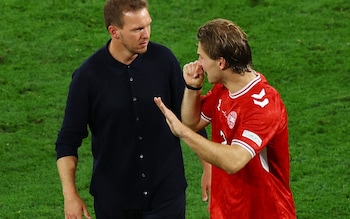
x,y
193,74
174,123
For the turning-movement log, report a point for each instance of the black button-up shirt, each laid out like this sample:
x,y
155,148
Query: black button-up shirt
x,y
136,157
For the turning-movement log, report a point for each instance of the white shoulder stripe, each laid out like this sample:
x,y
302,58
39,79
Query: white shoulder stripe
x,y
252,136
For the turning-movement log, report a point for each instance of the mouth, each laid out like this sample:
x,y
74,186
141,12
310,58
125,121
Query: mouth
x,y
144,44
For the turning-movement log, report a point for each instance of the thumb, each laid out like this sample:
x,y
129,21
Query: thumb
x,y
86,213
204,194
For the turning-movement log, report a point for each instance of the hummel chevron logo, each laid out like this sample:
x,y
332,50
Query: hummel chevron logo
x,y
259,96
263,103
258,99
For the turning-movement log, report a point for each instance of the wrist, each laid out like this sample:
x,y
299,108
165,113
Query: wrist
x,y
193,88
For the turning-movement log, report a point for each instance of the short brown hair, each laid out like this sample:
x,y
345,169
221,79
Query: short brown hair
x,y
114,9
223,38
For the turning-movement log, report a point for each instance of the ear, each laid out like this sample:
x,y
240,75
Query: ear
x,y
222,63
114,32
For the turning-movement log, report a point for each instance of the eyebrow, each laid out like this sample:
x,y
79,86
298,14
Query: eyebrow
x,y
142,27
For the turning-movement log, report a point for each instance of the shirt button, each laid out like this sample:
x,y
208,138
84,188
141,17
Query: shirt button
x,y
145,193
131,79
141,156
143,175
137,119
128,66
140,138
134,99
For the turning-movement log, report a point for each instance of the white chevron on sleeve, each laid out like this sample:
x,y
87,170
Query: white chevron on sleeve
x,y
263,103
260,95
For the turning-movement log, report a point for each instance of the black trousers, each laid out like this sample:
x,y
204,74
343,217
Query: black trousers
x,y
170,209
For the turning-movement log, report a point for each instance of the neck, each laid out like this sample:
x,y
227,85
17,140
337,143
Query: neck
x,y
120,54
239,81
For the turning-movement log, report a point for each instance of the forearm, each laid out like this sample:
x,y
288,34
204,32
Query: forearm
x,y
206,166
230,158
205,149
66,168
191,108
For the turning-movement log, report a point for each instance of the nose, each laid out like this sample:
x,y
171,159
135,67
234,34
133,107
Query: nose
x,y
146,32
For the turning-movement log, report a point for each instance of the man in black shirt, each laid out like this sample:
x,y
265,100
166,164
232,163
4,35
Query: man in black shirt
x,y
138,167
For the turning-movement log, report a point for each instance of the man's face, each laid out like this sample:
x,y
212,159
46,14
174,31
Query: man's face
x,y
136,32
210,66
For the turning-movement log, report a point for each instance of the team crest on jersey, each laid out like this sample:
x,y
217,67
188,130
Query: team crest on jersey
x,y
231,119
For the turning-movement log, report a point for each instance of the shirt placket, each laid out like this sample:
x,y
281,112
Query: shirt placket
x,y
141,155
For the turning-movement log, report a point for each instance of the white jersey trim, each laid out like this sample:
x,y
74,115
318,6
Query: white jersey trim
x,y
262,155
246,88
205,118
245,146
263,159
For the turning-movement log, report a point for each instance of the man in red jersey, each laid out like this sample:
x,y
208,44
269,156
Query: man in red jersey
x,y
246,165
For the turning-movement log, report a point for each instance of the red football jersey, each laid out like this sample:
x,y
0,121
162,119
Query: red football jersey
x,y
254,118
